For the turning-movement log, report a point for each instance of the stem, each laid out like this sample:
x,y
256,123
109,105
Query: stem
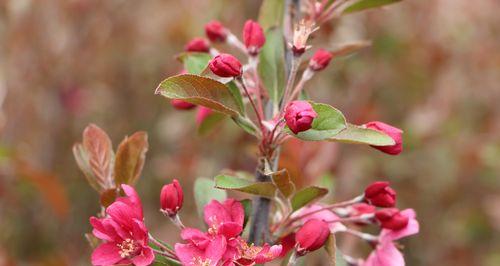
x,y
292,260
165,254
365,236
161,245
307,75
259,118
259,227
290,81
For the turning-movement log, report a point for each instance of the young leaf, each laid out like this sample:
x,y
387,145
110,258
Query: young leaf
x,y
282,181
82,160
264,189
366,4
201,91
359,135
327,124
349,47
130,157
271,13
195,63
108,197
235,91
272,63
246,124
205,191
97,151
306,196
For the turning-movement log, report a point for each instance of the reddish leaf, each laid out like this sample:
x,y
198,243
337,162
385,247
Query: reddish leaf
x,y
108,196
130,158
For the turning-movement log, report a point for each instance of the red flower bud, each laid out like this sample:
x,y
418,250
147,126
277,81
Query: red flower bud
x,y
311,236
287,243
171,198
391,219
215,31
380,194
202,114
395,133
225,65
320,60
198,45
299,116
181,105
253,37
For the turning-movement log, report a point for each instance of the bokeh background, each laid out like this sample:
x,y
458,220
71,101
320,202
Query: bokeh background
x,y
433,70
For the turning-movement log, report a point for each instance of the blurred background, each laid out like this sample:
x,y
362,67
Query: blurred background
x,y
433,70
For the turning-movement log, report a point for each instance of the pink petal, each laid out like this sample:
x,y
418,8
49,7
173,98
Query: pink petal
x,y
268,253
121,213
100,231
386,254
145,258
230,229
216,249
325,215
187,253
133,201
139,232
197,237
235,209
215,214
411,229
106,254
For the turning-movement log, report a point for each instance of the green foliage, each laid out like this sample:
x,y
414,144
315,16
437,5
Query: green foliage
x,y
247,207
367,4
201,91
306,196
271,13
205,191
272,64
327,124
359,135
195,63
209,123
264,189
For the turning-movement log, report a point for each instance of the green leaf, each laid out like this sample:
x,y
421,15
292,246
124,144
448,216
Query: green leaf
x,y
209,123
205,191
264,189
272,64
246,124
366,4
195,63
235,91
271,13
247,207
130,157
306,196
282,181
359,135
327,124
201,91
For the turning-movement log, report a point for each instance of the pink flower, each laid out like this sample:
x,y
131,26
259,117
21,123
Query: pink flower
x,y
181,104
124,233
380,194
226,66
361,209
395,133
253,37
250,254
198,45
311,236
210,255
215,31
325,215
299,116
386,253
171,198
320,60
202,114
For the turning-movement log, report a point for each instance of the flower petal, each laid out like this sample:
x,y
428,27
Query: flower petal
x,y
106,254
411,229
145,258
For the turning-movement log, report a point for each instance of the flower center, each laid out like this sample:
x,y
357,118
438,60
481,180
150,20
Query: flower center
x,y
198,261
127,248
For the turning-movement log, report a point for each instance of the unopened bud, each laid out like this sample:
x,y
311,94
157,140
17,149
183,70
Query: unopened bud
x,y
380,194
198,45
225,65
202,114
299,116
171,198
311,236
215,31
253,37
181,105
320,60
395,133
391,219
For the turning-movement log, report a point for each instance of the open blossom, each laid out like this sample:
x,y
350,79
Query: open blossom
x,y
253,37
380,194
221,244
386,252
311,236
124,233
198,44
299,116
171,198
395,133
215,31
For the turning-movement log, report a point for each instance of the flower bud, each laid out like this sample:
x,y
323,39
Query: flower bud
x,y
395,133
181,105
391,219
198,45
320,60
171,198
225,65
215,31
380,194
311,236
202,114
287,243
253,37
299,116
